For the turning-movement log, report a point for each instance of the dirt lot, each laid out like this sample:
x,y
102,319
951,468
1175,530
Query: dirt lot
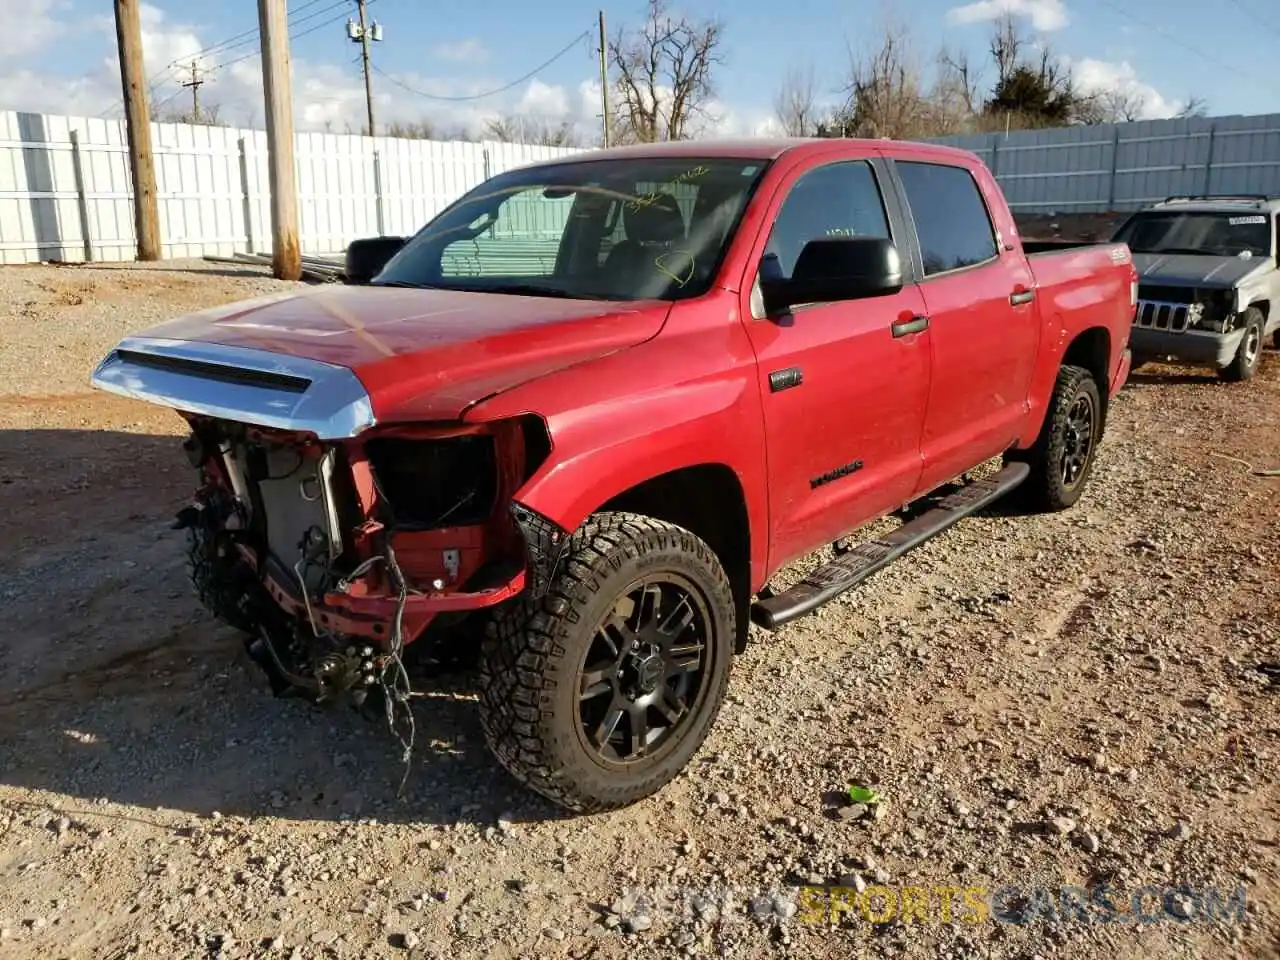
x,y
1043,701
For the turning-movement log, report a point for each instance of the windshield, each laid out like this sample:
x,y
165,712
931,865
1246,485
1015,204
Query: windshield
x,y
630,229
1211,234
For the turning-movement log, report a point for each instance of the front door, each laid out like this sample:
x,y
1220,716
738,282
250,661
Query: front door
x,y
844,394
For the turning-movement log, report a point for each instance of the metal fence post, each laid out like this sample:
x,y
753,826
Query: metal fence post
x,y
1208,163
379,216
246,198
995,154
82,198
1115,161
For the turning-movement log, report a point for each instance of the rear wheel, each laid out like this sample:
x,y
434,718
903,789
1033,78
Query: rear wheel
x,y
1249,354
1061,459
599,693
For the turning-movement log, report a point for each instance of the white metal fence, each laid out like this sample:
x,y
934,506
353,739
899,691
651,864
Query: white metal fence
x,y
66,193
1126,165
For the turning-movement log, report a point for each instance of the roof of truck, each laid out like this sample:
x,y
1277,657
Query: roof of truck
x,y
1220,204
747,148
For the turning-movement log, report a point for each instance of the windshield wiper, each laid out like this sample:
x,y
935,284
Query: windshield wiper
x,y
406,283
535,290
1187,251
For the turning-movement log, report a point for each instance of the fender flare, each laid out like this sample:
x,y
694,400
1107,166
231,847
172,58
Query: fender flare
x,y
627,442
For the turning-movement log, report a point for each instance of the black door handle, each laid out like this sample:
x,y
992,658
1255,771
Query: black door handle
x,y
1019,297
914,325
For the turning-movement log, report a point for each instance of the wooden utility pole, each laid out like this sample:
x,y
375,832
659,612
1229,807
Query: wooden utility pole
x,y
604,82
364,55
194,83
277,88
137,116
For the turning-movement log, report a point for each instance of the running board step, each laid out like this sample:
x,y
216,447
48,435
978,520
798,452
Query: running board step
x,y
853,567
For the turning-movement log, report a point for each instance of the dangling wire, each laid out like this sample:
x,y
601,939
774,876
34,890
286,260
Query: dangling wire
x,y
394,679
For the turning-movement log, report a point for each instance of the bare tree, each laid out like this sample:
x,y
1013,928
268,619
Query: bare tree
x,y
795,105
885,91
663,74
516,129
955,98
1006,46
413,130
424,129
1194,107
1120,105
1031,91
209,116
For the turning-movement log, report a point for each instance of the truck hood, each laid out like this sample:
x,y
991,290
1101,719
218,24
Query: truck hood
x,y
417,354
1197,271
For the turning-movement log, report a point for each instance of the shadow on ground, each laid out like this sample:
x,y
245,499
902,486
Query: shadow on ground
x,y
116,686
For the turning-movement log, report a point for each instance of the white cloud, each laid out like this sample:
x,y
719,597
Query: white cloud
x,y
327,96
464,51
1045,15
543,100
29,26
1103,76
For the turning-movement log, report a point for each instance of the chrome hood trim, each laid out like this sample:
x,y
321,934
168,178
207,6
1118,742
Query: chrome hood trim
x,y
239,383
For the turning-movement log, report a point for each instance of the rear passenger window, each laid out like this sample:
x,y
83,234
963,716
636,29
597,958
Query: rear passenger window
x,y
836,200
951,218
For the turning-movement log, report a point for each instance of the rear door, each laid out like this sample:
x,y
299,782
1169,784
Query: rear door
x,y
844,394
979,294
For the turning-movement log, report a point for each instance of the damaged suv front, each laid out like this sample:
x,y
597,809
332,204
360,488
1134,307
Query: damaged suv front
x,y
1207,281
330,540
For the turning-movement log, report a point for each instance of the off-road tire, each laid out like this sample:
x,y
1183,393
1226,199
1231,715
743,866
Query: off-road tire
x,y
532,658
1249,354
1046,490
218,578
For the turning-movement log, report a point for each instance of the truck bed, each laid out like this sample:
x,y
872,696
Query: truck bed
x,y
1035,248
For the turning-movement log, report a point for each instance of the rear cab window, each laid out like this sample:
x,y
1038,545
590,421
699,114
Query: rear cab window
x,y
951,217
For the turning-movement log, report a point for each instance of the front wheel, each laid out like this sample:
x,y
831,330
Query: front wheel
x,y
1248,355
1062,457
599,693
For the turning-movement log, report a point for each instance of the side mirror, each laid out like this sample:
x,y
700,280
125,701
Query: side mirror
x,y
366,257
830,269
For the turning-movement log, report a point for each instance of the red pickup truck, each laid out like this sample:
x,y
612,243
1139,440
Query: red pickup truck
x,y
596,404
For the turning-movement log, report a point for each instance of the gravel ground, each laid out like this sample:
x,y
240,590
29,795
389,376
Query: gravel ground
x,y
1040,701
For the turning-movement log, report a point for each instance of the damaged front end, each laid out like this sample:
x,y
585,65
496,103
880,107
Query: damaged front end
x,y
332,541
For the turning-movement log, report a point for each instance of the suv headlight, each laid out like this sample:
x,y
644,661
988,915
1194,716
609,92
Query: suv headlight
x,y
1215,312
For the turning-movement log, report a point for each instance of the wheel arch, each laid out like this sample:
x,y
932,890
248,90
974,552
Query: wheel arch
x,y
708,500
1090,349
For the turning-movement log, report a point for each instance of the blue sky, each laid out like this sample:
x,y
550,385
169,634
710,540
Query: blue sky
x,y
58,55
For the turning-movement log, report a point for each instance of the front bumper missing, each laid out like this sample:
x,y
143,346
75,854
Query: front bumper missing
x,y
369,615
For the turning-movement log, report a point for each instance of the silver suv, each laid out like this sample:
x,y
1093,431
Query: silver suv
x,y
1208,287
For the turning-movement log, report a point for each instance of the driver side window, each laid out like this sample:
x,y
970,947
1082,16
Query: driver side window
x,y
839,199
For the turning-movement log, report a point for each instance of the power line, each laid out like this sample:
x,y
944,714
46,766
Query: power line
x,y
293,36
166,73
1230,67
251,35
488,93
1266,22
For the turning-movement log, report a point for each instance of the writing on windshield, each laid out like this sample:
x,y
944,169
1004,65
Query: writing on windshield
x,y
626,229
